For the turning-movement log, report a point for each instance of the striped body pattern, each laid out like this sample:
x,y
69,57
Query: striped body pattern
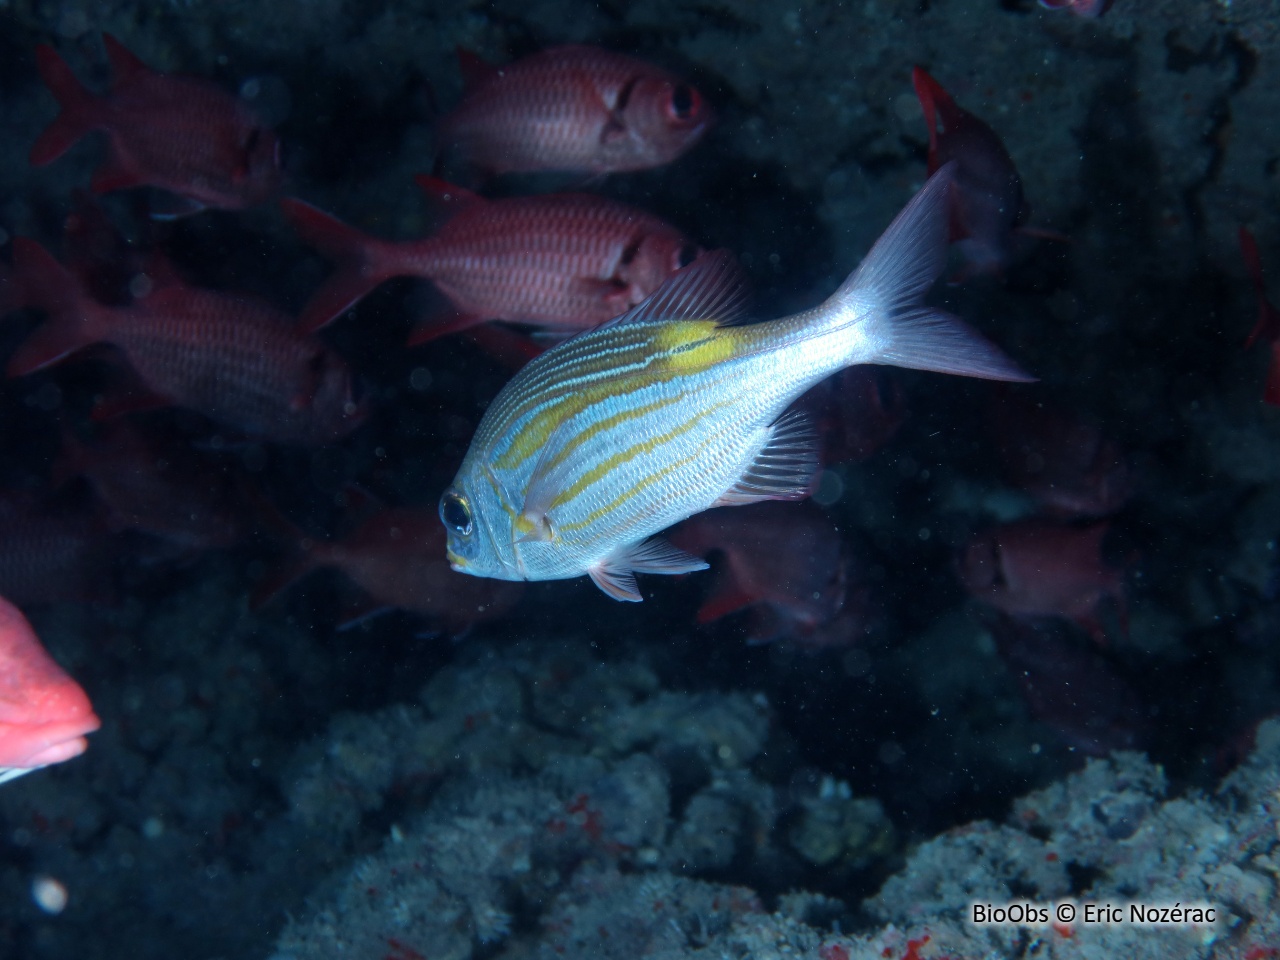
x,y
238,362
574,109
564,262
674,408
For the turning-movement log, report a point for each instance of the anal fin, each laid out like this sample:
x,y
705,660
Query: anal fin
x,y
784,467
615,575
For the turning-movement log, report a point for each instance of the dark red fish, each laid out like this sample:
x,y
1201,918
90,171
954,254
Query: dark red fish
x,y
987,205
574,108
44,714
232,358
181,134
1071,687
1268,326
158,486
1067,464
565,262
1036,569
787,564
49,554
397,557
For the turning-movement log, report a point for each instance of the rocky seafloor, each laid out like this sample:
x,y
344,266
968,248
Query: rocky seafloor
x,y
583,777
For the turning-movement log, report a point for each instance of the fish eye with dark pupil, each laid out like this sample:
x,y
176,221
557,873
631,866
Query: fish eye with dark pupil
x,y
455,514
682,101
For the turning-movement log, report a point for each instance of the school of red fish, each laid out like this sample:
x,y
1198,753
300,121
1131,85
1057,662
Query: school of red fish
x,y
521,273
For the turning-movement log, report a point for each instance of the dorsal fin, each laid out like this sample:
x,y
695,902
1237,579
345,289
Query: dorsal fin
x,y
126,68
710,288
474,70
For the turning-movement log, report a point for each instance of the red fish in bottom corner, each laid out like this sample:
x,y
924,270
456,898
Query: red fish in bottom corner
x,y
784,562
1039,569
1268,325
181,134
988,209
565,262
44,714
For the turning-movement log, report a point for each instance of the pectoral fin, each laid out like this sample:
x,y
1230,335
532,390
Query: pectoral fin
x,y
615,575
784,467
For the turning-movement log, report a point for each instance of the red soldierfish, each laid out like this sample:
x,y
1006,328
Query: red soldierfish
x,y
180,134
157,485
566,262
1071,687
986,200
44,714
1036,569
1067,464
232,358
396,556
1268,326
783,562
51,555
574,109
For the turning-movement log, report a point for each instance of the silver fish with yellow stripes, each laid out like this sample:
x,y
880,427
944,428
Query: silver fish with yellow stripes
x,y
677,407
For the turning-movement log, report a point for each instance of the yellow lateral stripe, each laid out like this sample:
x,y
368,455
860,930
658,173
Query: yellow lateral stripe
x,y
687,348
600,426
644,446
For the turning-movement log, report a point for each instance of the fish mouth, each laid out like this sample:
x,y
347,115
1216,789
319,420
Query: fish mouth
x,y
455,562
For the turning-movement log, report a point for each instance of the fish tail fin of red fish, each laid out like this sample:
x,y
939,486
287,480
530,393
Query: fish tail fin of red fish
x,y
931,96
880,306
73,321
303,554
280,577
1268,324
126,67
475,70
11,297
80,109
362,262
942,114
1271,392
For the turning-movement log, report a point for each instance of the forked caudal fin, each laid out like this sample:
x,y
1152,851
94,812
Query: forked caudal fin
x,y
883,299
363,262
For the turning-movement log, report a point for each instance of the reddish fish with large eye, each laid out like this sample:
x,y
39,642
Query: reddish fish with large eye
x,y
572,109
181,134
565,262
